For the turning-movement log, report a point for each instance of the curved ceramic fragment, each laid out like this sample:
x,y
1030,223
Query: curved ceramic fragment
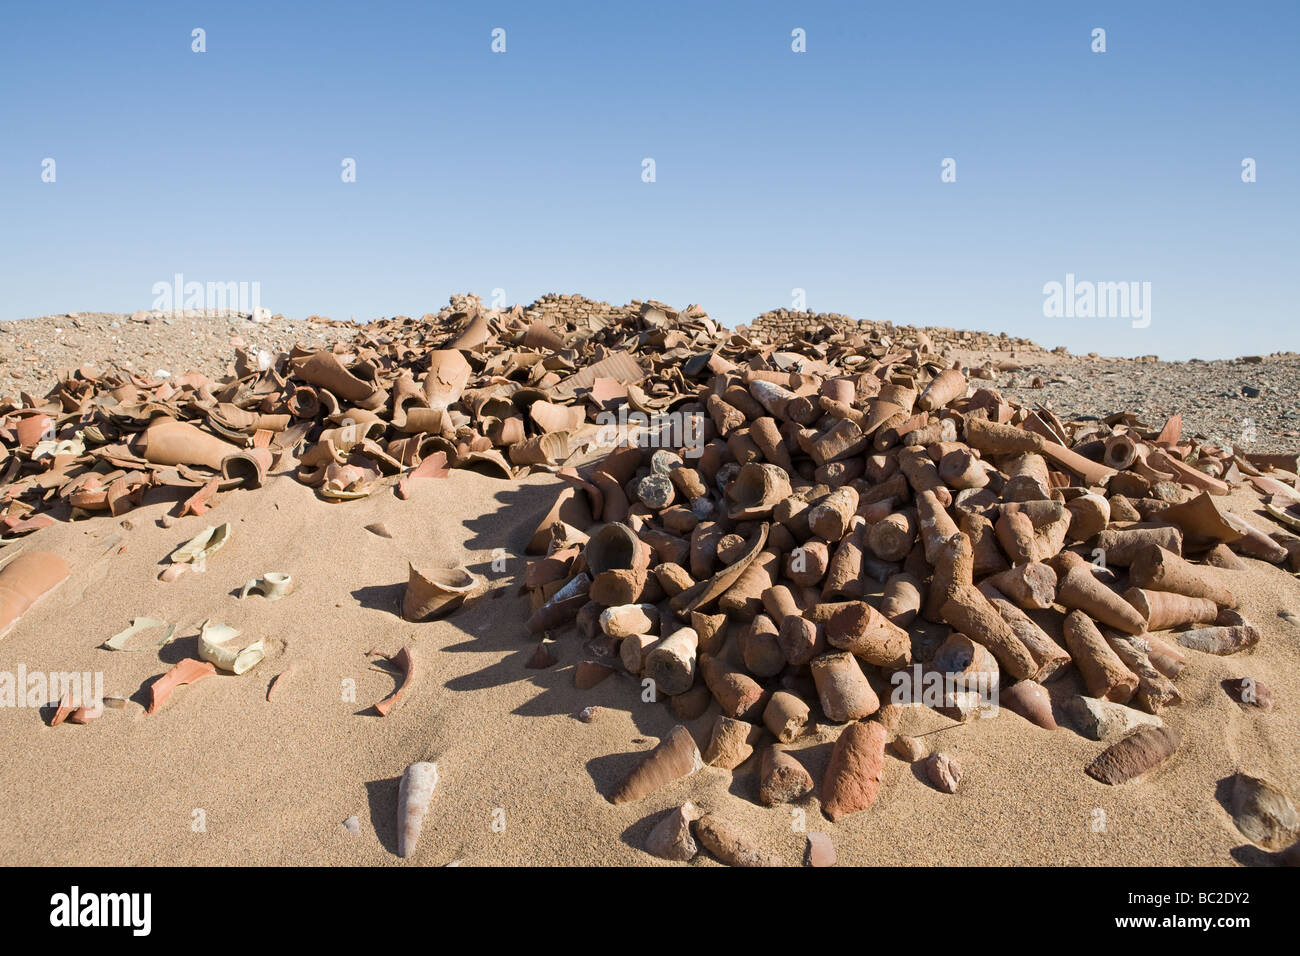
x,y
414,794
202,546
172,442
214,639
273,585
26,580
324,369
348,482
187,671
248,466
435,591
139,625
405,663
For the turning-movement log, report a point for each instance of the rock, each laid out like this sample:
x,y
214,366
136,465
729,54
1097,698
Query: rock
x,y
820,851
671,837
655,491
588,714
1263,813
730,843
352,825
628,619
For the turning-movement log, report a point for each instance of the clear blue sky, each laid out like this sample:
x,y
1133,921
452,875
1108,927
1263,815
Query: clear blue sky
x,y
775,170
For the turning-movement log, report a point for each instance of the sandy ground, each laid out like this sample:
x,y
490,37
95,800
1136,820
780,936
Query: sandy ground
x,y
275,780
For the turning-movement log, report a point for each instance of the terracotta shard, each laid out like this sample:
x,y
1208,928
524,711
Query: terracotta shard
x,y
433,592
187,671
414,794
1133,756
675,757
1031,701
853,777
405,663
730,843
782,778
590,673
25,581
671,837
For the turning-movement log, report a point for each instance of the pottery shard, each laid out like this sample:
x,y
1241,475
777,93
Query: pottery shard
x,y
1134,755
1250,692
1105,719
671,837
944,772
24,581
187,671
590,673
730,843
781,778
732,743
844,691
629,619
414,794
675,757
541,658
1030,700
853,777
1263,813
820,851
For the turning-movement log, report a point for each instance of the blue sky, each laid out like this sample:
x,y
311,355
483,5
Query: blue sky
x,y
775,170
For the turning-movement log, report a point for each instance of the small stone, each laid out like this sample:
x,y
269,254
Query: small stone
x,y
1250,391
909,748
352,825
671,837
944,772
588,714
820,851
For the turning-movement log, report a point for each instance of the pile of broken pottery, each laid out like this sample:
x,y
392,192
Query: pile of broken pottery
x,y
841,493
783,529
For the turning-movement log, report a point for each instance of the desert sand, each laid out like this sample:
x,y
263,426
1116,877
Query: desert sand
x,y
522,780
